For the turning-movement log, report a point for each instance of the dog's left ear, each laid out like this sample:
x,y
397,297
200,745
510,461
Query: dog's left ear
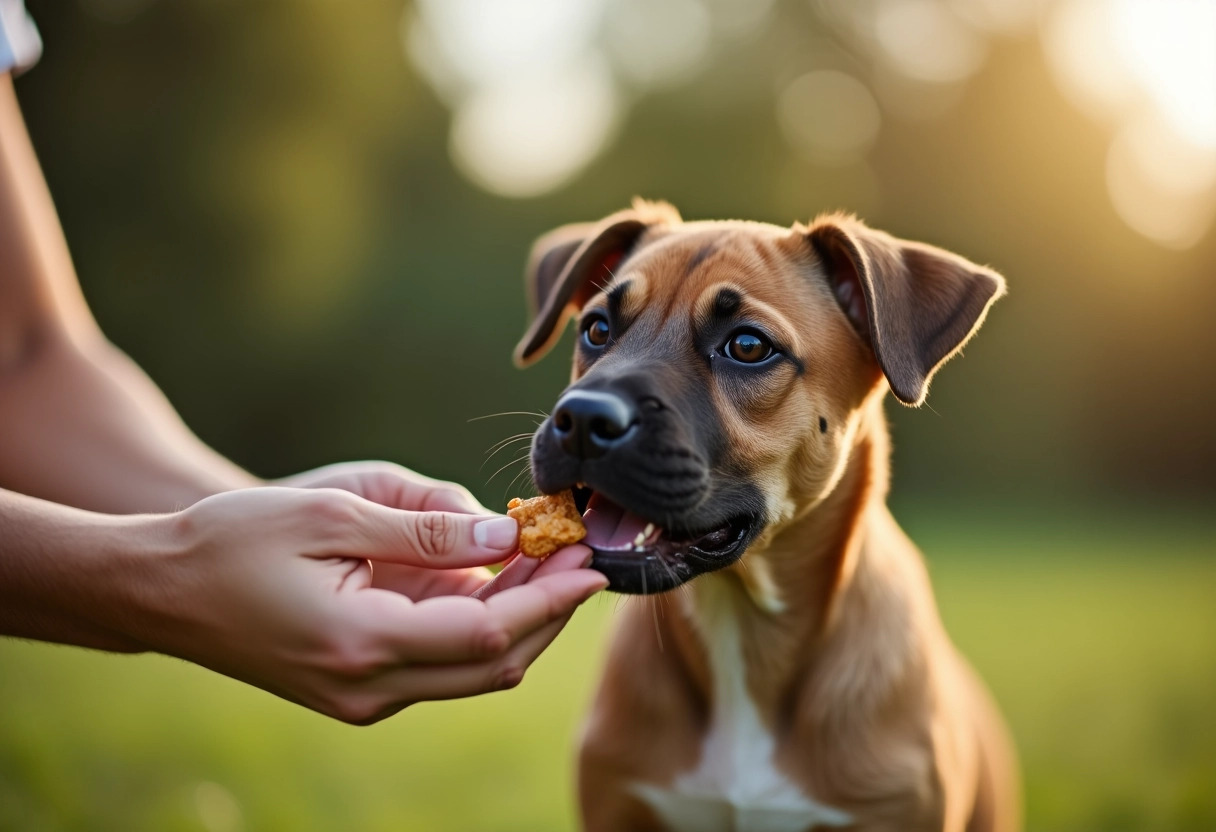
x,y
915,304
569,264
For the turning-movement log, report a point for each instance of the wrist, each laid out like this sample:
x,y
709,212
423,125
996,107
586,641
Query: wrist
x,y
136,573
61,574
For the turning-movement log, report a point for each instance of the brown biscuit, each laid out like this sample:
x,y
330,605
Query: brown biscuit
x,y
546,523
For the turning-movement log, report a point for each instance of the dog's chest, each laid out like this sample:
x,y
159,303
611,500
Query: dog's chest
x,y
736,786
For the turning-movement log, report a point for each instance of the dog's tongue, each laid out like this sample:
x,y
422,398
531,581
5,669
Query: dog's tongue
x,y
611,527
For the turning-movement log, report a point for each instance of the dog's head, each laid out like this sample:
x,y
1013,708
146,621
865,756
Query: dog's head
x,y
720,370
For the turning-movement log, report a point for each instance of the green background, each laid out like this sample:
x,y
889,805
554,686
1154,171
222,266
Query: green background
x,y
263,213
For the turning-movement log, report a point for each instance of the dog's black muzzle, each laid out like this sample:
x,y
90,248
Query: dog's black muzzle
x,y
642,452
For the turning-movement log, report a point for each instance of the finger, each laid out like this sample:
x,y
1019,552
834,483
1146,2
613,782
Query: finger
x,y
392,485
411,491
419,684
522,569
451,497
517,571
577,556
418,583
434,539
454,629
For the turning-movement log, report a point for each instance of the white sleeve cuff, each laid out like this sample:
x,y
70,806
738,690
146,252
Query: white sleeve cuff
x,y
20,45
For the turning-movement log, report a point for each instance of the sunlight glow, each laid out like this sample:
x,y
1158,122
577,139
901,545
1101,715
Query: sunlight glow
x,y
657,43
538,88
528,135
1149,67
843,137
1170,48
927,42
1160,184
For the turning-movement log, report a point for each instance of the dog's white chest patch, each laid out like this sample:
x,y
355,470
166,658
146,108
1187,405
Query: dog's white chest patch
x,y
736,787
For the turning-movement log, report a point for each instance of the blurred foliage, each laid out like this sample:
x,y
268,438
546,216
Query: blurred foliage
x,y
263,213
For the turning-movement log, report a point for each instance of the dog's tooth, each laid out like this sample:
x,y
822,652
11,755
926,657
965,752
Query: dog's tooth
x,y
647,531
639,540
580,485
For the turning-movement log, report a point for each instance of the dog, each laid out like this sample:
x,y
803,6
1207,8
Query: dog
x,y
724,423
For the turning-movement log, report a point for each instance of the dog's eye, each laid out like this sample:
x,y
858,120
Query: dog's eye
x,y
596,331
748,347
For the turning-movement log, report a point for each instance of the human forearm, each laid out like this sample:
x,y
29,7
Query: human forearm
x,y
59,568
79,422
89,429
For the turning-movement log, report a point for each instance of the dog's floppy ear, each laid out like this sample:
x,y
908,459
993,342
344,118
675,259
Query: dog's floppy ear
x,y
915,304
567,264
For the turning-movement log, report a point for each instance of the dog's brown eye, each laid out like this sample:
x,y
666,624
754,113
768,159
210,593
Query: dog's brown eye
x,y
596,331
748,348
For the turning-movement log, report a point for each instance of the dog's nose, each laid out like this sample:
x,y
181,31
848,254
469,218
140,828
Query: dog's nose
x,y
586,423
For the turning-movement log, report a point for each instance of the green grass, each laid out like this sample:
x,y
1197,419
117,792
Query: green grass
x,y
1100,645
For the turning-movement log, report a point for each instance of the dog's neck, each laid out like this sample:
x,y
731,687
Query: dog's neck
x,y
841,600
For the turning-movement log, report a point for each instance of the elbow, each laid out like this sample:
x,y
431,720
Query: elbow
x,y
24,349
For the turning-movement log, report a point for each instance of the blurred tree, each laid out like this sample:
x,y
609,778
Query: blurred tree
x,y
263,210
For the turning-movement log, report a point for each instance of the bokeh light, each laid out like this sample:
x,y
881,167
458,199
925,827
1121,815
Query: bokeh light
x,y
538,88
218,810
657,43
523,136
1148,69
830,116
926,41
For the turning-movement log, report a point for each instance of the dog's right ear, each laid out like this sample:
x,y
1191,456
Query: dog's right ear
x,y
568,264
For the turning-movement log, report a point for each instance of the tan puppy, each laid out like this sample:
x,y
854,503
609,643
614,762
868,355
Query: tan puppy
x,y
725,423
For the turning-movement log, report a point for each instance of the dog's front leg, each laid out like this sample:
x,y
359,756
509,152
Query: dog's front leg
x,y
646,725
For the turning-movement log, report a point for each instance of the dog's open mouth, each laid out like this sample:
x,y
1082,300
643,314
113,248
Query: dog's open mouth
x,y
640,557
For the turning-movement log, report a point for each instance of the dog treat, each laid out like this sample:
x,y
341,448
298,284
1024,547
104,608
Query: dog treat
x,y
546,523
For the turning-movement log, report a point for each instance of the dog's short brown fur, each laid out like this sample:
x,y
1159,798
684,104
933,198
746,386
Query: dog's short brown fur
x,y
873,720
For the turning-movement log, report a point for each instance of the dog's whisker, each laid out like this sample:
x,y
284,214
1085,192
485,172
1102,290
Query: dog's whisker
x,y
654,614
675,579
505,443
510,438
516,448
515,461
510,413
526,469
503,446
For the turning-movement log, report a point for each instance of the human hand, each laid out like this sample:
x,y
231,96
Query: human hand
x,y
398,487
273,586
390,485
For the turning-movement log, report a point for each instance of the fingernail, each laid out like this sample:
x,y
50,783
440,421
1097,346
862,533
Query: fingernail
x,y
498,533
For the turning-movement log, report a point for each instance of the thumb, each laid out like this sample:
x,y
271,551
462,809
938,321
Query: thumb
x,y
434,539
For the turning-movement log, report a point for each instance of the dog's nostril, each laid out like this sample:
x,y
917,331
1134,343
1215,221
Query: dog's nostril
x,y
604,429
586,423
